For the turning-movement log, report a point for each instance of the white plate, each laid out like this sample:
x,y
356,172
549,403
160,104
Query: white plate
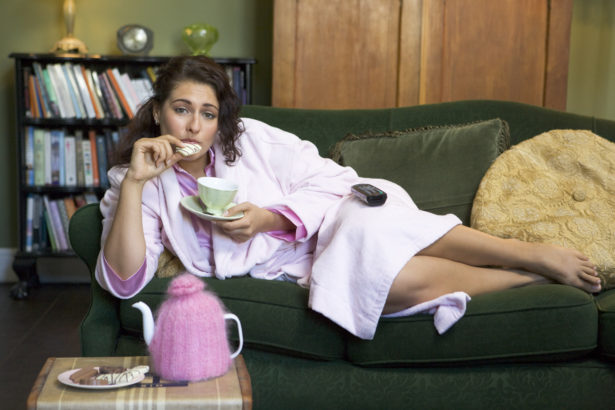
x,y
65,379
193,205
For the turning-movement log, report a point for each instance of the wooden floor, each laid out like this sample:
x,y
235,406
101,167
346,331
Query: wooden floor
x,y
44,325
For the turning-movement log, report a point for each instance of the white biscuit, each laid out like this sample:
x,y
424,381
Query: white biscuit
x,y
189,149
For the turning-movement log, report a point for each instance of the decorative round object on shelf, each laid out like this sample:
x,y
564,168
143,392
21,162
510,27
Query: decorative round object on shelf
x,y
200,38
135,39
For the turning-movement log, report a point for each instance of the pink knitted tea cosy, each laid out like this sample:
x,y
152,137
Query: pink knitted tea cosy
x,y
190,340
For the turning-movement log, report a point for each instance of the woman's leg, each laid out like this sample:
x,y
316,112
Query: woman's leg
x,y
472,247
425,278
458,262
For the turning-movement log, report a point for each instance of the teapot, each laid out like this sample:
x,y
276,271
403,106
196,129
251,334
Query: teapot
x,y
189,340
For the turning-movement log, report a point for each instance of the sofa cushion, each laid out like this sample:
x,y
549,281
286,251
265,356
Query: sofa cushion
x,y
440,167
274,315
557,187
605,302
542,322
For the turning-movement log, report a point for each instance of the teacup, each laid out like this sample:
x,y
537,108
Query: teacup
x,y
216,193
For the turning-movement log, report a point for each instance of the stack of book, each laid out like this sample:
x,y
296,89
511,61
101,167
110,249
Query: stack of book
x,y
56,157
47,220
237,80
70,90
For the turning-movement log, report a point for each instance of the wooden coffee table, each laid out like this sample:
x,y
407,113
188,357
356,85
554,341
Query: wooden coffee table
x,y
230,391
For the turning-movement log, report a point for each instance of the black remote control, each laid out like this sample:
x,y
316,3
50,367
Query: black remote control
x,y
369,194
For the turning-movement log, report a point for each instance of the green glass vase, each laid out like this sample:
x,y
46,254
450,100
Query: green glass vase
x,y
200,38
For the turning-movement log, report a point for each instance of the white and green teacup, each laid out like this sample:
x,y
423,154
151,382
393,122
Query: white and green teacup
x,y
216,193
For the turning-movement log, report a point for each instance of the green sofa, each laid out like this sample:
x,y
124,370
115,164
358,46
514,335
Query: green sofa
x,y
538,347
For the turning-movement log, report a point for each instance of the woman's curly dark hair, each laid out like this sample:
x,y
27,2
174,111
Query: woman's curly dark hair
x,y
199,69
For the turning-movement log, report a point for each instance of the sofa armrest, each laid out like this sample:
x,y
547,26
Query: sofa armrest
x,y
101,326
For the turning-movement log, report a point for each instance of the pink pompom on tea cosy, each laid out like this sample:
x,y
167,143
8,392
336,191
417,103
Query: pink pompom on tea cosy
x,y
190,340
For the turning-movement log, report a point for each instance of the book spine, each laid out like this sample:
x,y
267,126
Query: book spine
x,y
42,91
26,92
151,74
83,91
93,96
53,235
128,89
118,91
29,221
35,107
76,86
56,108
39,157
93,150
57,226
110,96
101,155
70,160
49,230
101,97
90,198
38,240
144,92
62,157
79,158
72,90
110,147
69,204
48,160
59,203
87,162
56,146
29,156
80,200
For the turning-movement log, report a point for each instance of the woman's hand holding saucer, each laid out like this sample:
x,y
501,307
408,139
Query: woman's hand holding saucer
x,y
255,220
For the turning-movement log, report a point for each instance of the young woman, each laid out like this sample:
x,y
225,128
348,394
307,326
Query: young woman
x,y
300,221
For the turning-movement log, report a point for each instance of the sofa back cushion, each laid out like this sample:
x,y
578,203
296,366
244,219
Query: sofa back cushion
x,y
324,128
440,167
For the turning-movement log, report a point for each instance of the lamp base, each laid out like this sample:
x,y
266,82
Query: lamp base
x,y
70,44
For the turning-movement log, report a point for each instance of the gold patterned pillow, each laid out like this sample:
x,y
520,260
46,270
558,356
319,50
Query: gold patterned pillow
x,y
169,265
558,187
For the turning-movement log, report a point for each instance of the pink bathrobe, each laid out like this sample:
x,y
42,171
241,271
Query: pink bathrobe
x,y
350,255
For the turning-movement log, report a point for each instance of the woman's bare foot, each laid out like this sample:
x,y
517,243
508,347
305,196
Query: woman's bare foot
x,y
566,266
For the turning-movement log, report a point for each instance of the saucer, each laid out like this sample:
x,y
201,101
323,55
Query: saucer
x,y
193,205
65,379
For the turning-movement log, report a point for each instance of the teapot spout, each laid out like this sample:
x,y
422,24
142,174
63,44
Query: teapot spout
x,y
148,321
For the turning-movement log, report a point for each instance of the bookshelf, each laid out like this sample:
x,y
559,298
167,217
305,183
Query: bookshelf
x,y
70,112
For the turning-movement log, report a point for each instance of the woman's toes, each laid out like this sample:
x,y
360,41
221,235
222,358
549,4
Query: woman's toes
x,y
589,278
590,271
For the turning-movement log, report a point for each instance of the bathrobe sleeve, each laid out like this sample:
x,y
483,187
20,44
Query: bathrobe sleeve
x,y
152,230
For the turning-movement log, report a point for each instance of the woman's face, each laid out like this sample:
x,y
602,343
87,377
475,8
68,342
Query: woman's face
x,y
191,114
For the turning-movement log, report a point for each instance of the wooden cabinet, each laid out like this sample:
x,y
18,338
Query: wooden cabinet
x,y
64,102
388,53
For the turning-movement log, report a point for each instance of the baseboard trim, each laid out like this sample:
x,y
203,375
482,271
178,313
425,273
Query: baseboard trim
x,y
7,275
50,270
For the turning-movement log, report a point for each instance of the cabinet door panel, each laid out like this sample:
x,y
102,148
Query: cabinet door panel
x,y
493,49
515,50
345,53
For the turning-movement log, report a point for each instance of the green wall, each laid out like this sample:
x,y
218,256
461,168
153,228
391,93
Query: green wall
x,y
591,72
245,27
33,26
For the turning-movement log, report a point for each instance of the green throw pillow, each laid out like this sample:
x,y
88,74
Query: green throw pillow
x,y
440,167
